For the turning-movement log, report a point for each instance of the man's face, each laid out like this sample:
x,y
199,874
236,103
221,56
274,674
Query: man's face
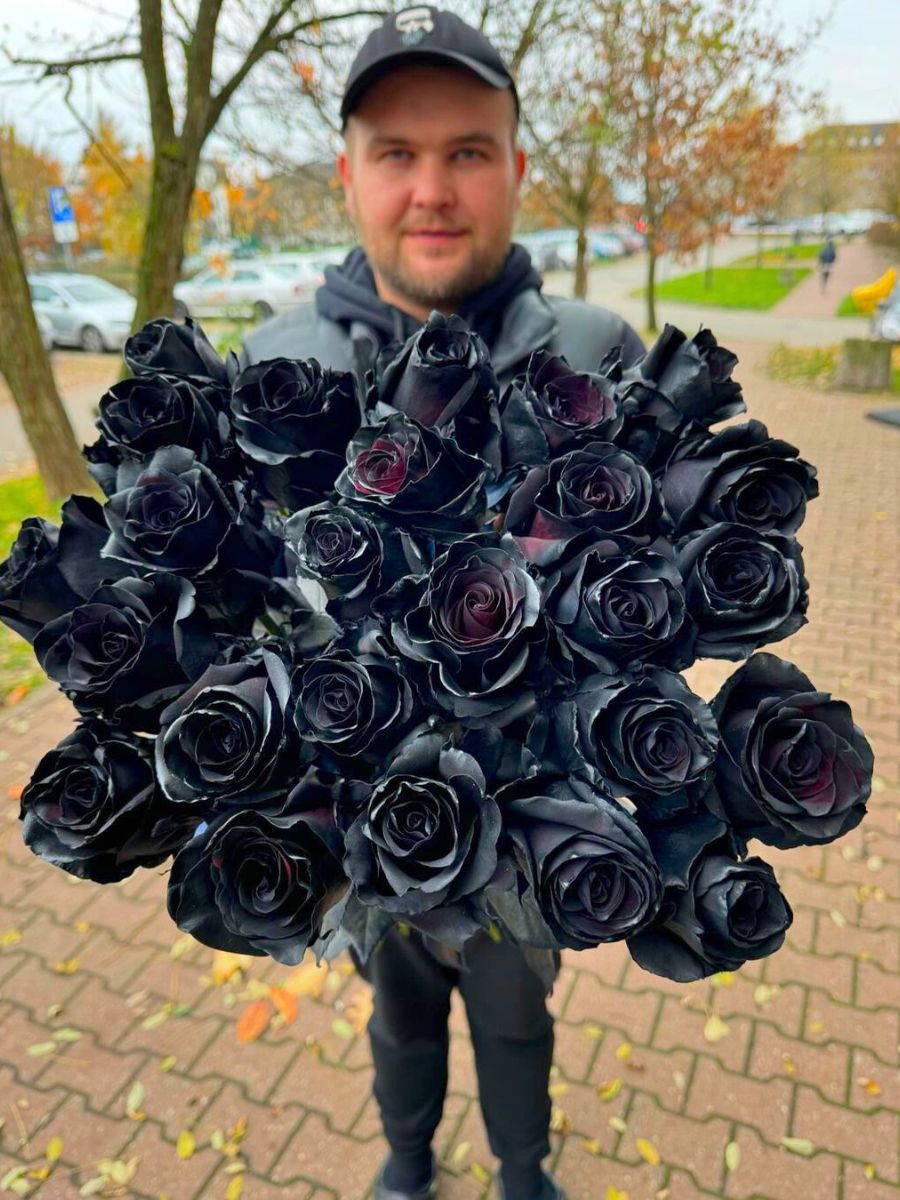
x,y
431,174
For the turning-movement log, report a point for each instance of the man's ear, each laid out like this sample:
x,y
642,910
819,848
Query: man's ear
x,y
521,164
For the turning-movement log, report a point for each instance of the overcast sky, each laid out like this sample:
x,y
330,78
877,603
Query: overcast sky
x,y
856,62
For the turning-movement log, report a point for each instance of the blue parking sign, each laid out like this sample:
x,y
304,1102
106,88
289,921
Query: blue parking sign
x,y
65,227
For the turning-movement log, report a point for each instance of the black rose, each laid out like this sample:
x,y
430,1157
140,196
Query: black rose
x,y
739,475
52,570
171,513
93,808
587,864
353,705
716,913
475,622
226,740
255,884
142,414
354,556
793,768
618,607
129,649
551,408
425,844
693,374
293,420
442,377
599,488
743,588
162,347
416,476
648,738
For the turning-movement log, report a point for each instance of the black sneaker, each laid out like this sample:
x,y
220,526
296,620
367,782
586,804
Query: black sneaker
x,y
552,1190
427,1191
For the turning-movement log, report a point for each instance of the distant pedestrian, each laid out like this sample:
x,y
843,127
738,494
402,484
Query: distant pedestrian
x,y
827,259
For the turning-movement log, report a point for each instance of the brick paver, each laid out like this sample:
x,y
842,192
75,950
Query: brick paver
x,y
810,1053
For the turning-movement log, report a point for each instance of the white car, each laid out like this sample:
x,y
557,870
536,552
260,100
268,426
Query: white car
x,y
245,289
82,310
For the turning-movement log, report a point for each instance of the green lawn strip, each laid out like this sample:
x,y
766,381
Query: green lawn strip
x,y
847,308
779,256
815,366
756,288
19,498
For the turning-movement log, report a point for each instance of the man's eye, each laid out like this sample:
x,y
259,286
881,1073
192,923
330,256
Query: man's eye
x,y
469,150
395,153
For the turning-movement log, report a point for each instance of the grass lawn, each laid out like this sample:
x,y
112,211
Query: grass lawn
x,y
815,365
19,498
732,287
780,256
847,308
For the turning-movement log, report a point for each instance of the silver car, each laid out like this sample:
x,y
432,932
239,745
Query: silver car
x,y
83,310
244,289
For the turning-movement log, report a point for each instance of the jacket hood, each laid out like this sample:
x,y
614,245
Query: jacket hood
x,y
349,294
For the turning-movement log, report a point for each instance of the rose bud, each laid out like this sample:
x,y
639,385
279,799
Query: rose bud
x,y
588,866
598,488
793,768
92,806
475,623
129,650
694,375
414,475
442,378
163,348
551,408
293,421
648,738
426,843
354,556
226,741
743,588
140,415
617,608
739,475
353,705
716,914
254,884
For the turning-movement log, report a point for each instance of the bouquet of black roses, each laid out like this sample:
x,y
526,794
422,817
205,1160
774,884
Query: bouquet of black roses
x,y
411,653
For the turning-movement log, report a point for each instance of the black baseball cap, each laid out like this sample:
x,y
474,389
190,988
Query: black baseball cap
x,y
423,34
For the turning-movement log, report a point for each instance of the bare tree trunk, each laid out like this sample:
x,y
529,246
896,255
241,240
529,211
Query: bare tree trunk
x,y
24,363
579,289
759,245
651,287
708,273
162,252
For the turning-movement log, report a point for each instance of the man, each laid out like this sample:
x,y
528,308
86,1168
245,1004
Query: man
x,y
431,171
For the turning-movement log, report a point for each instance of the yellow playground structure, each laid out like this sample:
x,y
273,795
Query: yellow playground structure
x,y
866,297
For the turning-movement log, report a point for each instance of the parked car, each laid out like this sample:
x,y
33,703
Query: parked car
x,y
886,319
606,245
244,289
302,268
45,329
83,310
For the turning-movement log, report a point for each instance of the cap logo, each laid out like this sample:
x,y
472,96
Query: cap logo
x,y
413,24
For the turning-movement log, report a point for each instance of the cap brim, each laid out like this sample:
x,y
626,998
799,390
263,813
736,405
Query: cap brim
x,y
415,55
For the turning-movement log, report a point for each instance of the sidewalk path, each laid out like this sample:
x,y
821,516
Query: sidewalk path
x,y
805,1044
856,263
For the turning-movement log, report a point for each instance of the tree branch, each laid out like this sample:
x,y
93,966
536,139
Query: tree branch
x,y
268,40
64,65
162,118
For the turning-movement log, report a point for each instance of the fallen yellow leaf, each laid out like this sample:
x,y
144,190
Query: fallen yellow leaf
x,y
715,1028
67,966
801,1146
869,1085
732,1156
609,1091
54,1150
186,1144
235,1188
613,1193
307,980
226,965
623,1050
592,1146
10,937
647,1151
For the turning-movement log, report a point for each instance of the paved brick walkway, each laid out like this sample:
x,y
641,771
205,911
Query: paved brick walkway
x,y
857,263
805,1045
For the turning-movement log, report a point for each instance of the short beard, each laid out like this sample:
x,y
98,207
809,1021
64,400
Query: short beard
x,y
451,293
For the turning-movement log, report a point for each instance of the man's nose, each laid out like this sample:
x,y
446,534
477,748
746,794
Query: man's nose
x,y
432,185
